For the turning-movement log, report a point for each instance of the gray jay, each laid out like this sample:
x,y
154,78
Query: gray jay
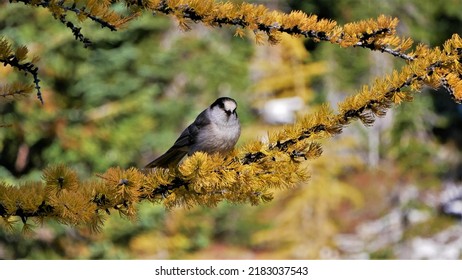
x,y
215,130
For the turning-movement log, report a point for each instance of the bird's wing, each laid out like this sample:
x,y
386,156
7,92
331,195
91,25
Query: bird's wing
x,y
181,146
189,135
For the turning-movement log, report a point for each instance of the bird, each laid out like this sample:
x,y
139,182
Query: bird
x,y
215,130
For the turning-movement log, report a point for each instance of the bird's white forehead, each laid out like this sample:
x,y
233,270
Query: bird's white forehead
x,y
229,105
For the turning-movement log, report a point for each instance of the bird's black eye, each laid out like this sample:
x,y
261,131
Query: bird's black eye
x,y
221,105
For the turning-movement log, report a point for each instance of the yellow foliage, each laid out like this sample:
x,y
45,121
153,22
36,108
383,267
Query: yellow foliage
x,y
60,177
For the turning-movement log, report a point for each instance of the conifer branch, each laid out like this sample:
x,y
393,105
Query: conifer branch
x,y
395,53
376,34
97,11
27,67
17,59
100,15
75,31
15,91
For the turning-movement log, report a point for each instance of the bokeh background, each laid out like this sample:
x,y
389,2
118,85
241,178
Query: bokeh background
x,y
391,191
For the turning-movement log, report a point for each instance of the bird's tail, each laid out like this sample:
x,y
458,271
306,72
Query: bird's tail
x,y
171,158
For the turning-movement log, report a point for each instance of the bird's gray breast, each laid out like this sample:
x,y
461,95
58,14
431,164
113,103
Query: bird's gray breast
x,y
217,138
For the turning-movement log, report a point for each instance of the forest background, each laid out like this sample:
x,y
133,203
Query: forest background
x,y
376,192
